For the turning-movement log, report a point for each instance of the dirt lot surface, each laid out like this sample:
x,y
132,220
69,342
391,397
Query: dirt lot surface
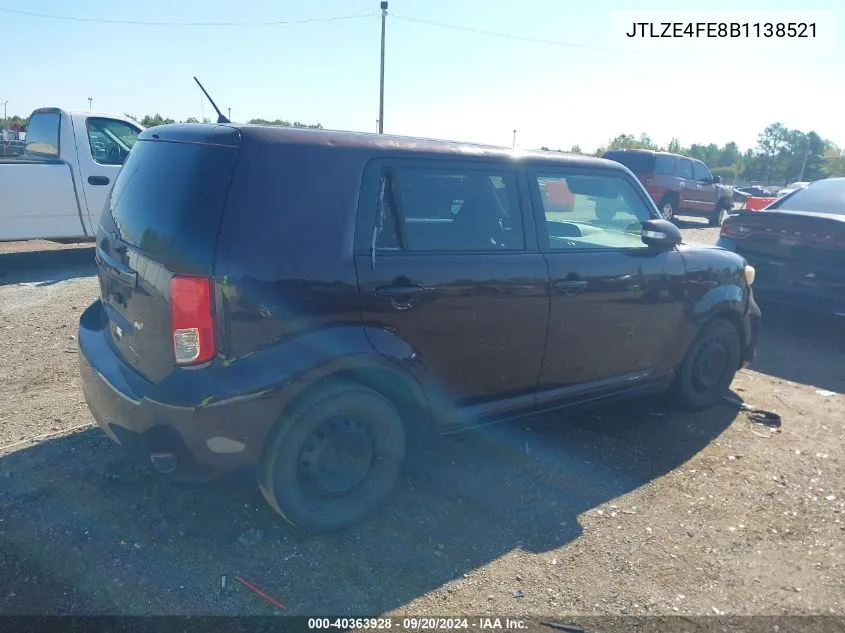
x,y
636,510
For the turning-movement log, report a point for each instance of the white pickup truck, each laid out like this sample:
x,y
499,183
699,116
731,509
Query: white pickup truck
x,y
58,185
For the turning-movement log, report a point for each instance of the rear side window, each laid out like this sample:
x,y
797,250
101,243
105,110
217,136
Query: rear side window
x,y
824,196
169,198
447,210
42,134
637,162
664,165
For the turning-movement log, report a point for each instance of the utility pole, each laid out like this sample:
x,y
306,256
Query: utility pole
x,y
514,140
89,103
4,113
804,164
381,79
230,113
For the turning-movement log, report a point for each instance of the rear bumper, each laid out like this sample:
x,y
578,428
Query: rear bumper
x,y
814,290
174,417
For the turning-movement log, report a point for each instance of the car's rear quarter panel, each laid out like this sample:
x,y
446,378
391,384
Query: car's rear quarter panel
x,y
284,255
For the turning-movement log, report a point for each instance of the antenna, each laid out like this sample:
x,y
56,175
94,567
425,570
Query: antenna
x,y
220,117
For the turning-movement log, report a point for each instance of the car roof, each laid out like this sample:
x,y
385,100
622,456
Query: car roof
x,y
231,134
651,152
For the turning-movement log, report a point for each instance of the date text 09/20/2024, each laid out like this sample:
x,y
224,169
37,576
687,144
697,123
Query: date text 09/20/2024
x,y
417,624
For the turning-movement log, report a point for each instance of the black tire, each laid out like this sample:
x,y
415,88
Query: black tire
x,y
709,367
668,208
723,208
299,475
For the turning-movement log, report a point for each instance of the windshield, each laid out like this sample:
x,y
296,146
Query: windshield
x,y
822,196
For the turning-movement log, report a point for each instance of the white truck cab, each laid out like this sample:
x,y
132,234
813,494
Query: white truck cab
x,y
57,187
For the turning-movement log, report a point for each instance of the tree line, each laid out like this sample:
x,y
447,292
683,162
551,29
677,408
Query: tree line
x,y
151,120
781,156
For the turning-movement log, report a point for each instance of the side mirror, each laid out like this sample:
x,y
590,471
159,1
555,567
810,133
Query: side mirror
x,y
717,180
661,234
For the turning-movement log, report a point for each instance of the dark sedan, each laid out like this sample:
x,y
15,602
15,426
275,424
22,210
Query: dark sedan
x,y
797,245
758,192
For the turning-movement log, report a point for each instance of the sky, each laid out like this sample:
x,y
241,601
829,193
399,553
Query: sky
x,y
439,82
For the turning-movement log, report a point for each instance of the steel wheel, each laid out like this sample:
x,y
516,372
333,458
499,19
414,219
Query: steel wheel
x,y
709,366
334,459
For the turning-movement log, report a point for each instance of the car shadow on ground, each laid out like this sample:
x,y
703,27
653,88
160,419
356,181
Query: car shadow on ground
x,y
43,268
107,536
802,347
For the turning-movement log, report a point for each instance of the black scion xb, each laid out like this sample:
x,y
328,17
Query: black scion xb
x,y
304,301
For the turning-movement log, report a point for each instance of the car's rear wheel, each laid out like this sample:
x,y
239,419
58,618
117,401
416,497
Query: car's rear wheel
x,y
710,364
667,208
334,459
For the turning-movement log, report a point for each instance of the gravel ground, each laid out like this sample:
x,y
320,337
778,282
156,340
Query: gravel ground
x,y
636,510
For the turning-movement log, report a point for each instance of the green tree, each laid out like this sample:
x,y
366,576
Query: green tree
x,y
729,155
629,141
769,144
833,164
155,119
674,146
282,123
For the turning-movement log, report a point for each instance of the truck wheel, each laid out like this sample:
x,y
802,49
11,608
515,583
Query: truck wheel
x,y
709,367
667,208
722,210
334,459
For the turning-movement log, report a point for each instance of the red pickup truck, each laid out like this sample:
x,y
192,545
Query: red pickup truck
x,y
678,184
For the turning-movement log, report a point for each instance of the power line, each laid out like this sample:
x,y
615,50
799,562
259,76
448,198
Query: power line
x,y
443,25
509,36
149,23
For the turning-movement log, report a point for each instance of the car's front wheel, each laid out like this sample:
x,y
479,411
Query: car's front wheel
x,y
334,459
710,364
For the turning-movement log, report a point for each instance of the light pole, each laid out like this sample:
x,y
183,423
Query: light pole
x,y
804,164
4,113
514,140
89,103
381,78
230,113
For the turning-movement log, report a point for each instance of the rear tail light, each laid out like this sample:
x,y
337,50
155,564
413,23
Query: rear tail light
x,y
735,230
191,319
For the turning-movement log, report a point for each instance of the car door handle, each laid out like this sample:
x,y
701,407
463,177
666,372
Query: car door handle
x,y
569,287
98,180
398,292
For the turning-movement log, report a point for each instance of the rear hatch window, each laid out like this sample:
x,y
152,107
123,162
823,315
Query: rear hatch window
x,y
169,196
637,162
162,220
